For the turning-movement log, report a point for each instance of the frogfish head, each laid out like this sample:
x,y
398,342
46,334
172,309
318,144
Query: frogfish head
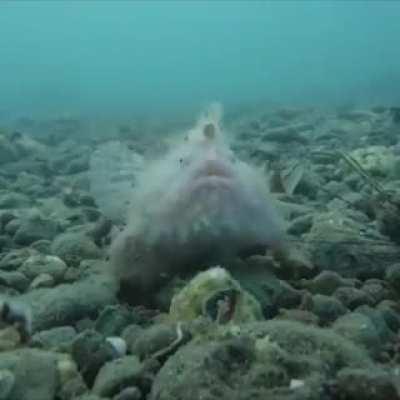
x,y
207,197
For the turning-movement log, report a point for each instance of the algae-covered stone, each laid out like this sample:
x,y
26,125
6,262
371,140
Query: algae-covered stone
x,y
35,228
360,329
68,303
116,375
335,244
73,247
215,294
114,319
154,340
259,362
91,351
327,308
367,384
376,160
44,264
7,381
35,373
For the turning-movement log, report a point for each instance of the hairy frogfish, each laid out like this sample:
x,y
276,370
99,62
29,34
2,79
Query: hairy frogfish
x,y
196,206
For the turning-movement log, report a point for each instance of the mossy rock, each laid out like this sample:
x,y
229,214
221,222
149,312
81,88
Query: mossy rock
x,y
259,360
214,294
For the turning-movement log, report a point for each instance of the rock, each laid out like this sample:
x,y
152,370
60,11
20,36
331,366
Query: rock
x,y
35,228
304,316
78,165
11,227
113,319
377,318
392,276
74,388
42,246
300,225
360,329
375,290
88,397
35,373
255,276
15,258
352,297
391,313
68,303
13,200
7,382
91,351
335,244
43,264
67,368
5,243
216,295
326,283
42,281
376,160
131,333
54,338
119,345
259,363
8,152
129,393
10,338
154,339
327,308
366,384
14,279
117,374
73,247
287,134
6,217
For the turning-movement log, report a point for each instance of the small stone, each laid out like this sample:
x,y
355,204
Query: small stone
x,y
44,264
118,344
352,297
153,339
327,308
35,373
113,319
14,279
74,388
54,338
392,276
391,313
296,384
7,381
42,281
15,258
114,375
326,283
10,338
360,329
35,228
366,384
129,393
73,247
91,351
375,290
13,200
67,369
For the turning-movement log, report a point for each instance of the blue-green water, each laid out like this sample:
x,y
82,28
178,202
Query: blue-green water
x,y
112,58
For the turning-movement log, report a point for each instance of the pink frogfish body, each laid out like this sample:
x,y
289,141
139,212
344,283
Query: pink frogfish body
x,y
195,207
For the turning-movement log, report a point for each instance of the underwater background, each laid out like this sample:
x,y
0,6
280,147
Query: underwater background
x,y
125,57
199,200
